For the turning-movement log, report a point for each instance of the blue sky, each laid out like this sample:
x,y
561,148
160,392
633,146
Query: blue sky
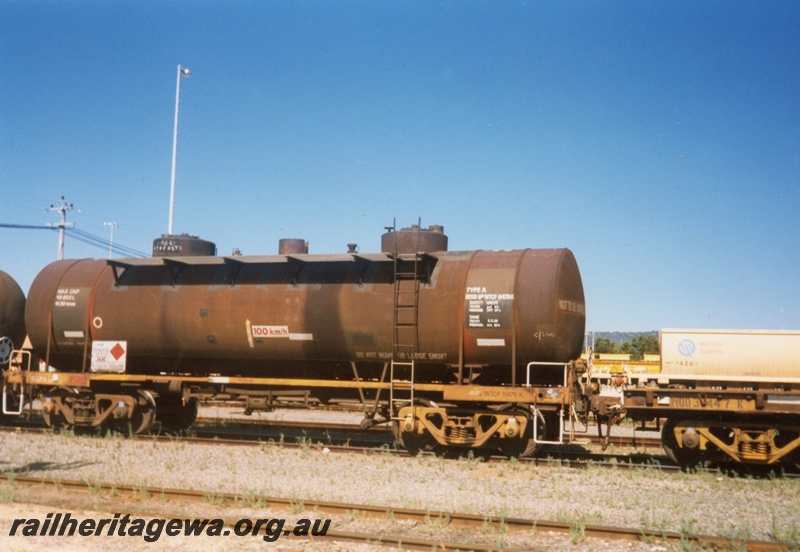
x,y
659,141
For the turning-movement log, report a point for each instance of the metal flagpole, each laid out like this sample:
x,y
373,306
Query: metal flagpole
x,y
185,72
112,225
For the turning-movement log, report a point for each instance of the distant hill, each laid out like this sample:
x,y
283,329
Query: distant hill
x,y
620,337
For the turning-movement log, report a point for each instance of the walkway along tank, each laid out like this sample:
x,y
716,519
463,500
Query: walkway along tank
x,y
442,342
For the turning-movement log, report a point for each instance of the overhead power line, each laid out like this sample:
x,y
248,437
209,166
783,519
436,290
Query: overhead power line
x,y
83,237
103,243
26,226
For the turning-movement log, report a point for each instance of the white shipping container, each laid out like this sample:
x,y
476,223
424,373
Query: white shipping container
x,y
737,353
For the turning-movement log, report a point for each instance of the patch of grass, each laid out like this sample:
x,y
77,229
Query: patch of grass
x,y
8,492
788,535
650,525
252,500
216,499
142,492
297,506
96,490
434,524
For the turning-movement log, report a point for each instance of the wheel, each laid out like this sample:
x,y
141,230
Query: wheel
x,y
524,445
785,437
414,443
685,458
142,417
175,416
55,419
793,462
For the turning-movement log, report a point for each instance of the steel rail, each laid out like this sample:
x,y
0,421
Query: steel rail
x,y
469,520
554,458
332,431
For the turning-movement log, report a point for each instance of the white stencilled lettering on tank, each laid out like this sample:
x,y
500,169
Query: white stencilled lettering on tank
x,y
66,297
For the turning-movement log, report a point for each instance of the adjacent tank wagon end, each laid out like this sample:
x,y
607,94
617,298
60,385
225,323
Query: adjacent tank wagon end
x,y
12,317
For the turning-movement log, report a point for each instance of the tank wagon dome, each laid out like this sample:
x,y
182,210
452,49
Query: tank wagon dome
x,y
414,240
292,246
12,317
184,245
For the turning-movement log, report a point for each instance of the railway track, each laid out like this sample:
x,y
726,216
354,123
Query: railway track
x,y
352,439
226,421
638,451
129,496
571,456
237,426
331,433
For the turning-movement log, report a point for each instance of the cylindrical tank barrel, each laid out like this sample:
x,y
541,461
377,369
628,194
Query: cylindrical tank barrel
x,y
235,314
12,316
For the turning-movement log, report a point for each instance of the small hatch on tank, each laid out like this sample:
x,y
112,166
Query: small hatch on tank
x,y
183,245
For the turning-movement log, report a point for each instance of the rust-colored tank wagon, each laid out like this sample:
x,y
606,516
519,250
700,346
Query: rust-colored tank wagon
x,y
489,334
12,317
242,315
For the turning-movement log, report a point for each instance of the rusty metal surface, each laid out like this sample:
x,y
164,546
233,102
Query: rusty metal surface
x,y
12,313
230,314
530,300
41,303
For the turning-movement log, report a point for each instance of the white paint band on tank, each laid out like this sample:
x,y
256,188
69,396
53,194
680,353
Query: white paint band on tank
x,y
491,342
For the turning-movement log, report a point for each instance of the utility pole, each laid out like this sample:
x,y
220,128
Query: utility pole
x,y
62,208
111,241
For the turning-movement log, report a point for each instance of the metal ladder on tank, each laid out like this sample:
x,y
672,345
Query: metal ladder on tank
x,y
405,331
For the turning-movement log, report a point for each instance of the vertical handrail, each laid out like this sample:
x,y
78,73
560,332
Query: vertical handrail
x,y
560,411
18,355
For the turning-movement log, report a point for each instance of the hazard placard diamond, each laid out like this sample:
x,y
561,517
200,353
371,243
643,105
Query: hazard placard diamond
x,y
117,351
